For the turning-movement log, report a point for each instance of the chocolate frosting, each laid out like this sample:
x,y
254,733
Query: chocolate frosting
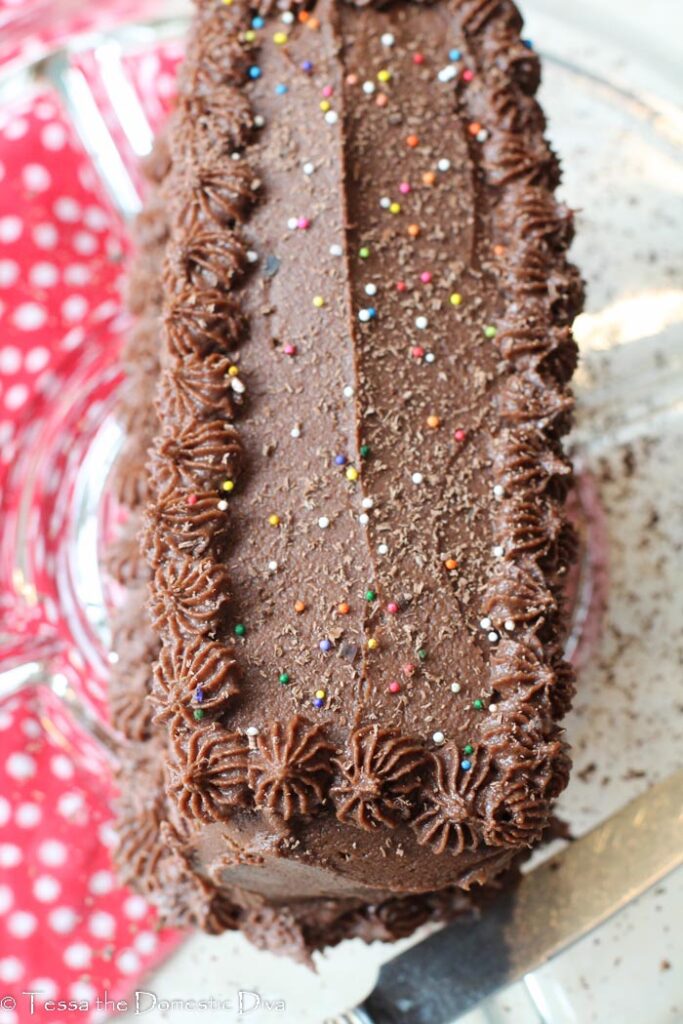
x,y
394,740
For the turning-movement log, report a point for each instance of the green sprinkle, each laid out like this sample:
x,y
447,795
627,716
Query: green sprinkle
x,y
478,704
198,714
468,748
370,595
284,678
364,252
240,630
364,451
422,654
490,331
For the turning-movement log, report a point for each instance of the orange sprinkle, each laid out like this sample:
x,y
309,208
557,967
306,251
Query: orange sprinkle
x,y
434,422
429,177
352,79
303,15
451,564
412,141
343,608
474,128
382,100
299,607
313,24
499,250
413,230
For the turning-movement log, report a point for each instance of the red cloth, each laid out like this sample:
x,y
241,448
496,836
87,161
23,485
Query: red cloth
x,y
67,929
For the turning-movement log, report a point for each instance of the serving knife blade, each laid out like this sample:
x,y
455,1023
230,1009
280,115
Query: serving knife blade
x,y
553,906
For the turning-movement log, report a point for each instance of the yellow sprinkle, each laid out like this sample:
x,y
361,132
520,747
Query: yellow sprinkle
x,y
318,302
228,3
274,520
249,36
233,371
456,299
351,473
383,75
228,485
320,694
280,38
395,208
325,105
373,644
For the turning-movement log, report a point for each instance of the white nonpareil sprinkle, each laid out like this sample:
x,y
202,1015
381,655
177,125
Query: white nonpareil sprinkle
x,y
237,385
368,88
443,164
252,257
367,503
323,522
430,357
348,391
493,708
331,116
421,322
417,478
259,121
438,737
363,519
308,167
272,566
287,18
295,432
113,658
364,315
493,637
222,505
509,625
292,223
382,549
251,731
498,491
485,623
498,551
387,39
336,250
482,135
385,202
448,73
371,289
455,687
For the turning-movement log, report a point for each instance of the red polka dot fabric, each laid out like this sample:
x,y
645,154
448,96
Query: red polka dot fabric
x,y
68,930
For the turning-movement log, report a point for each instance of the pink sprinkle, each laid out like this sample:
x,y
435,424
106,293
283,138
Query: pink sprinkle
x,y
400,286
417,352
303,223
404,188
467,75
392,607
425,277
289,350
327,91
192,499
394,687
408,669
418,58
460,434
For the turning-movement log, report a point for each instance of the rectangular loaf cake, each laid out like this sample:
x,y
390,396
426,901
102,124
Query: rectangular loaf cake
x,y
340,660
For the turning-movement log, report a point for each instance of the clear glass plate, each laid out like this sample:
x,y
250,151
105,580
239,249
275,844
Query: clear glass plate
x,y
621,153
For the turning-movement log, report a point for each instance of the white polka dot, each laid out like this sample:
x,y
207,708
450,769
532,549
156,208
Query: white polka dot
x,y
21,924
6,898
77,274
10,359
43,275
45,236
5,811
37,359
14,399
61,766
83,992
52,852
19,765
36,177
67,209
135,907
101,882
31,728
74,308
84,243
10,228
27,815
10,855
128,962
96,218
145,943
8,1016
11,969
102,925
62,920
45,986
9,272
77,956
29,316
46,888
6,720
107,835
73,338
16,129
69,804
53,136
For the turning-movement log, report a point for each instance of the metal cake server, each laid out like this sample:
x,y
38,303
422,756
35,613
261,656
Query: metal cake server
x,y
553,906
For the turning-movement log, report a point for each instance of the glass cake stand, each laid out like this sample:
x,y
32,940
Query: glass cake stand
x,y
621,149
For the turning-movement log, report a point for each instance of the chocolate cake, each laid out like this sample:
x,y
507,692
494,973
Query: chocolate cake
x,y
347,390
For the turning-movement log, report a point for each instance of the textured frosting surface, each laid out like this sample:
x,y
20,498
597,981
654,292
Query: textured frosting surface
x,y
355,310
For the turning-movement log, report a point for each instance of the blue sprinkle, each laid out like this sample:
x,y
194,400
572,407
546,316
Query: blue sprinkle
x,y
528,43
281,89
340,460
318,702
199,695
307,66
454,55
257,22
254,72
372,312
465,765
325,645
